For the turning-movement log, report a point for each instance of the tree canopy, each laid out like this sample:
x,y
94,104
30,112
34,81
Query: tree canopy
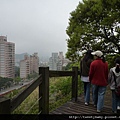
x,y
94,24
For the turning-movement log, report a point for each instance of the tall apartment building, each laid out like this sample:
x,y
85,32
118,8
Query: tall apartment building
x,y
7,58
25,67
57,61
34,63
60,61
29,65
53,61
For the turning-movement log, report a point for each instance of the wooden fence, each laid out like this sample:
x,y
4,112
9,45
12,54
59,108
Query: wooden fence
x,y
7,106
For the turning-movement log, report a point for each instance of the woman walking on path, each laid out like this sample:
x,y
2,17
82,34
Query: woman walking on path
x,y
98,77
84,73
115,71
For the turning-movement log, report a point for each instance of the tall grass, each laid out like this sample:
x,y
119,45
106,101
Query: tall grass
x,y
59,93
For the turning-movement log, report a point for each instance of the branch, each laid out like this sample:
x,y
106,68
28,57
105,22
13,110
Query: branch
x,y
112,39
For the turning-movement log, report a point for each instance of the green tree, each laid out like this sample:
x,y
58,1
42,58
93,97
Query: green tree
x,y
5,82
111,60
17,80
94,24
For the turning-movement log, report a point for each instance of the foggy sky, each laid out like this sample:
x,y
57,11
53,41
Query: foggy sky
x,y
36,25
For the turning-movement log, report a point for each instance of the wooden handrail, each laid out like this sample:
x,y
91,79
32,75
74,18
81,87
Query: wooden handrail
x,y
43,83
15,102
4,105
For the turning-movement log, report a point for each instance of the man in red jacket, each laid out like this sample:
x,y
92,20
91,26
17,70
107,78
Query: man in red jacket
x,y
98,76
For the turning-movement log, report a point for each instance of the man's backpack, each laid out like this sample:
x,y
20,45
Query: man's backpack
x,y
117,88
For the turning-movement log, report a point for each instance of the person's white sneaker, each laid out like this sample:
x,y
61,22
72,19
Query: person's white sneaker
x,y
118,107
86,103
114,111
98,111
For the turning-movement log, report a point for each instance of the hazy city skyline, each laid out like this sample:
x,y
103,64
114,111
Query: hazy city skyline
x,y
36,26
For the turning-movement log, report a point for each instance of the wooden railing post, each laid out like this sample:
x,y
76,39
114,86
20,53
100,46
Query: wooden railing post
x,y
4,105
75,84
44,90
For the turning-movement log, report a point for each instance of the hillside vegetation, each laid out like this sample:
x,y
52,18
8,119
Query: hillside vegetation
x,y
60,93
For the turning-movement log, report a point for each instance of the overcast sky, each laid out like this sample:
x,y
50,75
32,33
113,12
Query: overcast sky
x,y
36,25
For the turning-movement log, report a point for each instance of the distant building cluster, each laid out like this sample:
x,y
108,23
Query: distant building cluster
x,y
7,58
29,65
57,61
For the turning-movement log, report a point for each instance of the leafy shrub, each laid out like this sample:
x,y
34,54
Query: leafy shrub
x,y
111,60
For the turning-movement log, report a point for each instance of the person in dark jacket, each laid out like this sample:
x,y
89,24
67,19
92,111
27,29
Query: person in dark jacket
x,y
116,71
98,76
84,73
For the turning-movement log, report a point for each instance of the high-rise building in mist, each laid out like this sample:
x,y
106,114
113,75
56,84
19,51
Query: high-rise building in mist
x,y
53,61
34,63
29,65
25,67
57,61
7,58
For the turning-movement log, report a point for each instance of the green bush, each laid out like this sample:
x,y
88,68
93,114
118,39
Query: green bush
x,y
111,60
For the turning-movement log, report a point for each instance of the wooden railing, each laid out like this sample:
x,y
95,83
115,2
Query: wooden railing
x,y
7,106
